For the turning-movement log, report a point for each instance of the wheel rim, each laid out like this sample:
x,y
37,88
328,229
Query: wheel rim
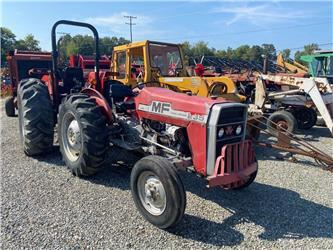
x,y
71,137
21,118
282,125
151,193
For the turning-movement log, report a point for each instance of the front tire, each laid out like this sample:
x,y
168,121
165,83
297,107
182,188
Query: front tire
x,y
158,192
35,111
247,183
83,137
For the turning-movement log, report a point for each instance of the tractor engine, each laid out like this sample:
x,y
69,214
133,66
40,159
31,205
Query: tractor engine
x,y
150,136
163,134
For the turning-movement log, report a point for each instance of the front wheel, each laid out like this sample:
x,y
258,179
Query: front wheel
x,y
246,182
158,192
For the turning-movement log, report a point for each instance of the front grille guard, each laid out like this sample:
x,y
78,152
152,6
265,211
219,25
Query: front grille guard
x,y
234,166
220,116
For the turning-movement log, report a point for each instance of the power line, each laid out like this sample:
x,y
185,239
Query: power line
x,y
130,24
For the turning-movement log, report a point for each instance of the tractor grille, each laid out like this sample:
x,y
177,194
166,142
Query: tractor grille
x,y
232,115
235,157
226,117
229,120
235,164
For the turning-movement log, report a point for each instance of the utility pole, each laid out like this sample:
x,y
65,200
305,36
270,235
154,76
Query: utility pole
x,y
130,24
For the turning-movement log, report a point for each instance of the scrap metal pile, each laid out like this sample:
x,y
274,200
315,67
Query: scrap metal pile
x,y
279,103
226,65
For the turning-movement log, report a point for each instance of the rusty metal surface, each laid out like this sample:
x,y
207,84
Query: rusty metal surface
x,y
289,142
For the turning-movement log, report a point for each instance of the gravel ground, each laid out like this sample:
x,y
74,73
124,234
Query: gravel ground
x,y
44,206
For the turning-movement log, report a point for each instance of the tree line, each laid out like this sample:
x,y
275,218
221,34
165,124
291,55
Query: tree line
x,y
68,45
84,44
253,53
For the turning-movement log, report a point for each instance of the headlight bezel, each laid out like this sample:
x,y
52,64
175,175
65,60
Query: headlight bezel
x,y
220,133
240,129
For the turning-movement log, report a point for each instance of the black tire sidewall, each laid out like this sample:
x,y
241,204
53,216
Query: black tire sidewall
x,y
36,131
94,134
175,194
311,115
9,106
282,116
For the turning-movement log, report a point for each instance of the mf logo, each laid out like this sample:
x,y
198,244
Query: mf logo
x,y
160,107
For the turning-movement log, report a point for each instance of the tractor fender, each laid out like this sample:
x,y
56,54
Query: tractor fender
x,y
100,101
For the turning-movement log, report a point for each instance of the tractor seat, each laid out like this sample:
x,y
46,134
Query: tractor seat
x,y
72,79
120,91
125,106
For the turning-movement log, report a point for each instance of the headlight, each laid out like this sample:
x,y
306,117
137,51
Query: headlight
x,y
221,132
238,129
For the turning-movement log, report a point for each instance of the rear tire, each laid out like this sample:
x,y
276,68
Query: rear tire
x,y
10,107
83,136
35,111
306,117
284,120
158,192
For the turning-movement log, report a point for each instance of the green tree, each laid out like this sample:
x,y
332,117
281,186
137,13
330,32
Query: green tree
x,y
107,44
84,45
187,49
286,54
255,54
28,43
221,53
242,52
308,50
7,43
63,42
269,51
201,49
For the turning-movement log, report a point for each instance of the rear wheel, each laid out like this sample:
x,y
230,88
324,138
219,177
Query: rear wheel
x,y
35,111
158,192
9,106
83,137
281,121
306,117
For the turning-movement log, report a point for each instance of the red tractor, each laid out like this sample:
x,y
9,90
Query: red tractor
x,y
24,64
27,64
87,63
170,130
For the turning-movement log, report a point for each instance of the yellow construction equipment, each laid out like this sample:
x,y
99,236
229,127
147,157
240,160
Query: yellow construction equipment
x,y
290,66
162,64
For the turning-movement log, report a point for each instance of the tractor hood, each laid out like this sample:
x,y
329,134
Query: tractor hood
x,y
178,107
